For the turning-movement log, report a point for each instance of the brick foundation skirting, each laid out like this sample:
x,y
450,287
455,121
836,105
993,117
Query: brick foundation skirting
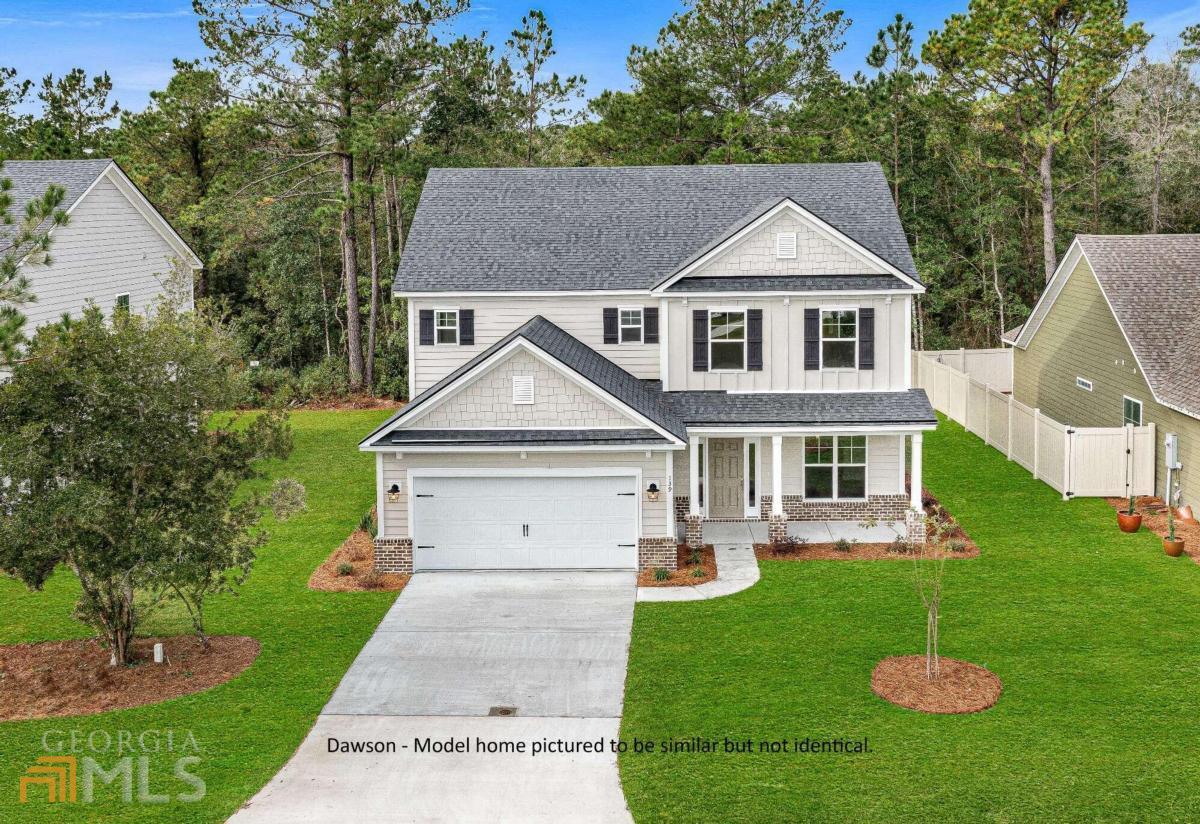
x,y
777,528
658,552
915,526
796,508
694,531
394,555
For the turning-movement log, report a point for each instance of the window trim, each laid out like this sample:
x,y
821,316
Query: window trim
x,y
457,325
821,337
751,476
1140,408
1083,383
641,324
702,475
745,341
836,466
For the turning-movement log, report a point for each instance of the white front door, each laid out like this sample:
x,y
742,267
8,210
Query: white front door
x,y
525,522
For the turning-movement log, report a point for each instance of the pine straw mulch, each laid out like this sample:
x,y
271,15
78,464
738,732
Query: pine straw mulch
x,y
60,678
359,402
359,551
1154,518
682,577
962,686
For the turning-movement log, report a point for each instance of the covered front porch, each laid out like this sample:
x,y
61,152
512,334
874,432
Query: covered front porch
x,y
812,532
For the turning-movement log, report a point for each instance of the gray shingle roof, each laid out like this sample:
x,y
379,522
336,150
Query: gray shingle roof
x,y
30,178
804,408
620,227
587,362
532,437
787,283
1153,285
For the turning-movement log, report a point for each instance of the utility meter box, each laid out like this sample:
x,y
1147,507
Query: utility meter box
x,y
1171,444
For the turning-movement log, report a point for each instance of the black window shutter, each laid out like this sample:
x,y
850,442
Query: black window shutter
x,y
754,340
426,338
650,324
466,327
610,325
699,340
866,338
812,339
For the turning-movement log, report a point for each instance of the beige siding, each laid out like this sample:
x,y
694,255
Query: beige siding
x,y
783,347
653,468
580,316
816,253
487,401
106,249
1080,338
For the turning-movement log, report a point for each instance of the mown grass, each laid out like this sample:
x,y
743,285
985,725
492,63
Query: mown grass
x,y
247,728
1093,632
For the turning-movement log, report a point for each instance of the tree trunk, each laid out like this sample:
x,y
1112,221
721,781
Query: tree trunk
x,y
373,312
1155,189
996,278
350,274
1046,173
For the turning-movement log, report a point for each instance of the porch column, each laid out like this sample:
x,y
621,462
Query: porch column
x,y
915,484
693,475
776,474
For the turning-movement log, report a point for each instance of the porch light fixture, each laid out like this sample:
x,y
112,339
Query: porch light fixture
x,y
652,492
394,494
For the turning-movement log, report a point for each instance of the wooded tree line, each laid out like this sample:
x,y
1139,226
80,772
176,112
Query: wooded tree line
x,y
292,159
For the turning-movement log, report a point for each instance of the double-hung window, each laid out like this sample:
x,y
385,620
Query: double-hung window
x,y
122,302
835,467
839,338
727,340
631,325
1131,411
445,326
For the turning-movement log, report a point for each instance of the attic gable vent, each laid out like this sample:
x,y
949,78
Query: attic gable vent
x,y
785,245
523,389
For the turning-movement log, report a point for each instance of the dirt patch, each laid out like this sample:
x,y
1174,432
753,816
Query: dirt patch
x,y
1154,518
962,687
351,568
685,575
856,552
59,678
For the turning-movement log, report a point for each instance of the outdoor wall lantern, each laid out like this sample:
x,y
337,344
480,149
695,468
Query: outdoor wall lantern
x,y
652,492
394,494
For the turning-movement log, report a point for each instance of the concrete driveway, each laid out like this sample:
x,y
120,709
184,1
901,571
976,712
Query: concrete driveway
x,y
454,651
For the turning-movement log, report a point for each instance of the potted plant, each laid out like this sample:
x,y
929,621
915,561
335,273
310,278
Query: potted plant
x,y
1171,545
1131,519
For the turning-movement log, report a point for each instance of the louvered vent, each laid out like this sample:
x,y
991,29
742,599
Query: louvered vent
x,y
523,389
785,245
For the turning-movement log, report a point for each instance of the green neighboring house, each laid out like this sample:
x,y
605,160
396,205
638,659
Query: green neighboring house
x,y
1115,339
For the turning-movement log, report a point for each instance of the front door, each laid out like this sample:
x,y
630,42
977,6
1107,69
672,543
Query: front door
x,y
725,476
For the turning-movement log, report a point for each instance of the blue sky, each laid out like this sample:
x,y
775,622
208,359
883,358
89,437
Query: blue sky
x,y
134,40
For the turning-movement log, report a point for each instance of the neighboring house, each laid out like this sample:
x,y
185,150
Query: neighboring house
x,y
1114,340
116,249
604,358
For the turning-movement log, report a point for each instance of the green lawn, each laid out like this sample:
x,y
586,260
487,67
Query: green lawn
x,y
1093,632
248,728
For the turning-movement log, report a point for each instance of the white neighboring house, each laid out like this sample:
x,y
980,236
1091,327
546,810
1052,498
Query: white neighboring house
x,y
116,248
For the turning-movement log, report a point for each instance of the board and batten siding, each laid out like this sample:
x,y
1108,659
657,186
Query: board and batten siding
x,y
1080,338
577,315
783,346
655,514
105,250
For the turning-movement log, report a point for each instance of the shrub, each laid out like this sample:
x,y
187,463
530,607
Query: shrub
x,y
263,386
661,574
901,547
956,545
694,555
698,572
372,580
842,545
367,523
345,568
788,545
326,380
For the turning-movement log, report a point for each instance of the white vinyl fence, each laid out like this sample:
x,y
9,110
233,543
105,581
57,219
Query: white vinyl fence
x,y
991,366
1076,461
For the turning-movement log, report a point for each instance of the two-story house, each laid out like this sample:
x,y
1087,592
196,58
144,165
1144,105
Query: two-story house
x,y
605,358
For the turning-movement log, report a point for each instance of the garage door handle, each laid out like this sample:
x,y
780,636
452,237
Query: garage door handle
x,y
626,545
424,546
626,494
426,495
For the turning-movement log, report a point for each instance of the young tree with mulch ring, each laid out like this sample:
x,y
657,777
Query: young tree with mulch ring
x,y
116,468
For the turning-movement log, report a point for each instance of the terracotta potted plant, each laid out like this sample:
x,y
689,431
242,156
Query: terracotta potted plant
x,y
1185,514
1129,520
1171,545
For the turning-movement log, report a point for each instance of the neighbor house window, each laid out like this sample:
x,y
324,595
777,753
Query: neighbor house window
x,y
727,340
839,338
122,303
631,325
1131,412
835,466
1084,383
445,324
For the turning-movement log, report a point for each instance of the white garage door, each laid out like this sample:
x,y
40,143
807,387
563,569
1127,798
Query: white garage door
x,y
510,522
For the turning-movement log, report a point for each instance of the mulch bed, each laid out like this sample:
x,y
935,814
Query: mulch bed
x,y
359,552
962,687
361,402
59,678
682,577
1154,518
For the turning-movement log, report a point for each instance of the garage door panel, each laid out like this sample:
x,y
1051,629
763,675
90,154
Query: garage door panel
x,y
525,522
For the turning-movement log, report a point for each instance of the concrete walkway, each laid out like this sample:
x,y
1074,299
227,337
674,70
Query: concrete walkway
x,y
737,569
455,649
